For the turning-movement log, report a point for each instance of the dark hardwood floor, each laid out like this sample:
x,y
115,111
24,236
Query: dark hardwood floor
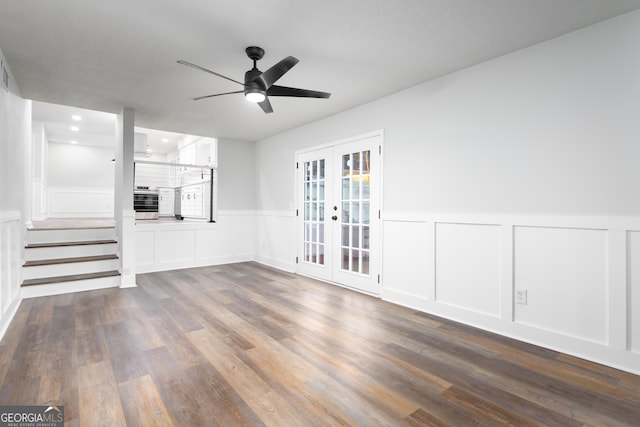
x,y
245,345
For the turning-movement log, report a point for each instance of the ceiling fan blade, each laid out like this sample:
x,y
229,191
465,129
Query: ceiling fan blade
x,y
293,91
266,106
198,98
270,76
197,67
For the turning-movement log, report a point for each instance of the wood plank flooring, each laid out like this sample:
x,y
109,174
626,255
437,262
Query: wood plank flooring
x,y
242,344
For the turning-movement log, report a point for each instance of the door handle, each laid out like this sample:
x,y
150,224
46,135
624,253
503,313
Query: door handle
x,y
335,217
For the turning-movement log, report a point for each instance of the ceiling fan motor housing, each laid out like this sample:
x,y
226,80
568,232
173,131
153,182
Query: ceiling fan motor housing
x,y
252,84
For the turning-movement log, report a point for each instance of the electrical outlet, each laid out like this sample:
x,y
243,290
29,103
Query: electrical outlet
x,y
521,296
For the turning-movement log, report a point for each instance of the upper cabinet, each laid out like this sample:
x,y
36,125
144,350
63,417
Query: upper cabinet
x,y
205,152
200,152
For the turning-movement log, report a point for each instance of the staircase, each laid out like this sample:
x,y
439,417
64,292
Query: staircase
x,y
69,258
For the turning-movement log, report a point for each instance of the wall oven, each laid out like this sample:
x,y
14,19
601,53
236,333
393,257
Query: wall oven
x,y
145,202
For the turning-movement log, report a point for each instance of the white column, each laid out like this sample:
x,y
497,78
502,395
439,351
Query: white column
x,y
123,204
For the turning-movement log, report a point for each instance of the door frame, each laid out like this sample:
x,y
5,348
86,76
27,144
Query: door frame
x,y
374,269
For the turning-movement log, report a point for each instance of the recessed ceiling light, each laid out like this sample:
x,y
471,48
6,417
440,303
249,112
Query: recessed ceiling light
x,y
165,140
74,128
148,150
76,117
74,142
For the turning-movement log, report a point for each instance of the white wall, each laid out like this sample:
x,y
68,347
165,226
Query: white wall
x,y
80,180
520,172
80,165
236,175
15,140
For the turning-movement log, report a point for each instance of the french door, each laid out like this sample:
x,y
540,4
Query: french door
x,y
338,213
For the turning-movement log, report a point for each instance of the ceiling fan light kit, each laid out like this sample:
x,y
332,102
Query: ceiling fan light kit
x,y
258,85
254,95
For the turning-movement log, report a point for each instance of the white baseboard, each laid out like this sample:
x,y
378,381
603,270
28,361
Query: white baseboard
x,y
152,268
288,267
9,314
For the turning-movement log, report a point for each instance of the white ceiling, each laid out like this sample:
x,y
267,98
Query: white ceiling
x,y
108,54
95,128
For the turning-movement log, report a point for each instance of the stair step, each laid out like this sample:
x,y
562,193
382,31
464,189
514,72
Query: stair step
x,y
57,250
64,227
60,244
50,236
68,260
69,278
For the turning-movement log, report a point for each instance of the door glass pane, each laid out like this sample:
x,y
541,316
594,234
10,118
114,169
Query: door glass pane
x,y
365,237
346,165
365,262
346,189
366,210
355,260
320,254
366,191
345,236
345,259
355,212
355,187
345,213
355,236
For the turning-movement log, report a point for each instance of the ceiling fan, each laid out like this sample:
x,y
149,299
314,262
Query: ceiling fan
x,y
258,85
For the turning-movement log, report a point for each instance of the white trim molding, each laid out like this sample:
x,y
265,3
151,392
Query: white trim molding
x,y
11,239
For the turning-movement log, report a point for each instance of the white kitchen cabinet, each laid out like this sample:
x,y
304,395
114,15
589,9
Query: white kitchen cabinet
x,y
188,155
201,152
166,202
205,152
192,201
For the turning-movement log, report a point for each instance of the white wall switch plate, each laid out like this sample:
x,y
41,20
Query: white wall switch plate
x,y
521,296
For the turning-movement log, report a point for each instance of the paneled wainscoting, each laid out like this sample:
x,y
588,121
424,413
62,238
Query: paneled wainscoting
x,y
276,239
75,202
567,283
242,344
10,246
167,245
